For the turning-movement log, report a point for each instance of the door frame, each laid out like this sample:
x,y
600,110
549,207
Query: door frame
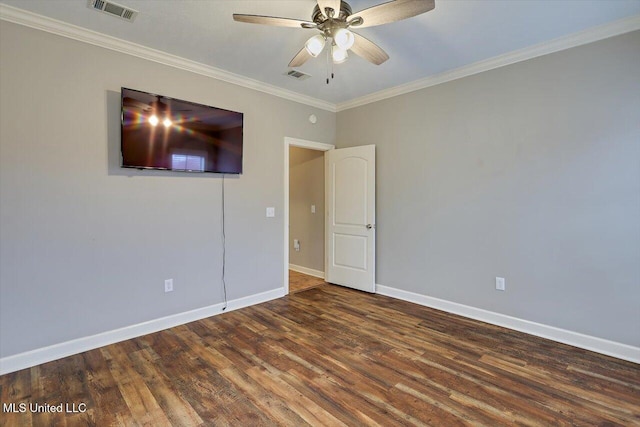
x,y
302,143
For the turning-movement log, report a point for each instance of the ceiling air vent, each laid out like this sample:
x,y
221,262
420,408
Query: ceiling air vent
x,y
298,75
114,9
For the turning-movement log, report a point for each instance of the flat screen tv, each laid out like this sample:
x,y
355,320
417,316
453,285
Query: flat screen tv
x,y
159,132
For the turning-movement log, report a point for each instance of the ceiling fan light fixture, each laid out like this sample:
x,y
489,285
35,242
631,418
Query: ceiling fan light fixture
x,y
153,120
315,45
334,18
344,38
339,55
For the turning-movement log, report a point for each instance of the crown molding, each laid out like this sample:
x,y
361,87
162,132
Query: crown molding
x,y
53,26
590,35
33,20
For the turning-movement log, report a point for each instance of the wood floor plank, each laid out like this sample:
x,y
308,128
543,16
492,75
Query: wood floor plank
x,y
134,390
104,400
272,406
51,376
178,411
299,282
305,407
331,356
610,409
472,380
72,385
16,389
473,391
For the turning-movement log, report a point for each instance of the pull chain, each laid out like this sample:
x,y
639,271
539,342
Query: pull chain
x,y
329,64
331,68
328,59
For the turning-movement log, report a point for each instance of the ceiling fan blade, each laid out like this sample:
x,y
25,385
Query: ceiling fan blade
x,y
272,20
392,11
300,58
333,4
368,50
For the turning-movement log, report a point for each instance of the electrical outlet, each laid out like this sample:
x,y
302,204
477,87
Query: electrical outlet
x,y
168,285
500,283
271,212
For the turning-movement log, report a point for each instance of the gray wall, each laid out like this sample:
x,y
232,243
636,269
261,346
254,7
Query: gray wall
x,y
530,172
84,245
306,188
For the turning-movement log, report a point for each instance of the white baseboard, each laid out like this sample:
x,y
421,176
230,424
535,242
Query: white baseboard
x,y
58,351
305,270
587,342
79,345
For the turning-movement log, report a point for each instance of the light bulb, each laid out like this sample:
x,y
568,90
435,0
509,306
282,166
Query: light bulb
x,y
344,38
315,45
339,55
153,120
166,122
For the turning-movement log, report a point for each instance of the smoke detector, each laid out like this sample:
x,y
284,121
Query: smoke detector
x,y
114,9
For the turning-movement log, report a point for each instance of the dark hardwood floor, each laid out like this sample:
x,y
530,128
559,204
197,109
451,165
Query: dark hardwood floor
x,y
301,282
330,356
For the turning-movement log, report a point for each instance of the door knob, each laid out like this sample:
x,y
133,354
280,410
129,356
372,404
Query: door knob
x,y
370,226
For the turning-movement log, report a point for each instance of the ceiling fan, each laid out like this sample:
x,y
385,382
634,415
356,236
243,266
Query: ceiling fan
x,y
334,18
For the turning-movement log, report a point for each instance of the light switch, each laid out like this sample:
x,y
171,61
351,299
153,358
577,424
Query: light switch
x,y
271,212
313,208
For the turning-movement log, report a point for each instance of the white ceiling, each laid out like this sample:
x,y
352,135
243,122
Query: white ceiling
x,y
457,33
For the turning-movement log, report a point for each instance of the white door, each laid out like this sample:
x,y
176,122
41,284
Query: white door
x,y
350,224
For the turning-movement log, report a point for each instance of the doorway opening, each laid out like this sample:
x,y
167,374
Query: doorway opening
x,y
304,213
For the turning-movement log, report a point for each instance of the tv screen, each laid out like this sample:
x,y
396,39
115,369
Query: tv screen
x,y
159,132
